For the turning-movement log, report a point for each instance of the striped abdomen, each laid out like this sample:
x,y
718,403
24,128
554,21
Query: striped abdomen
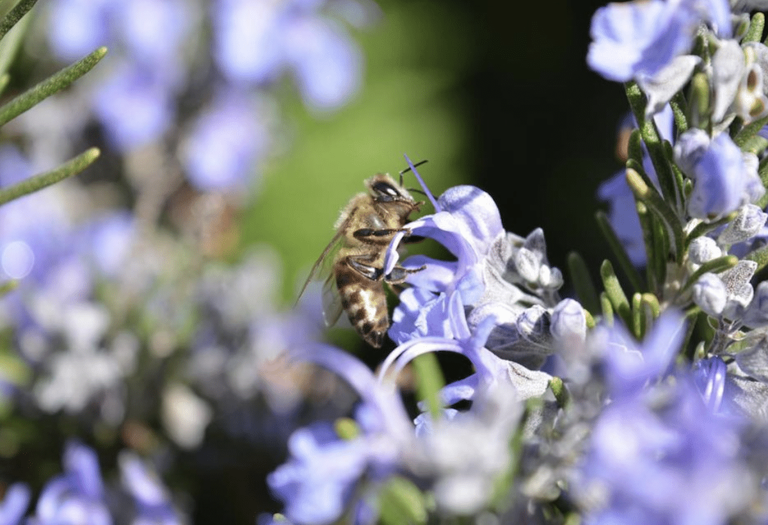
x,y
365,302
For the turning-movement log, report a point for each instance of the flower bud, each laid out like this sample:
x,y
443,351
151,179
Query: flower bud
x,y
569,323
703,249
709,294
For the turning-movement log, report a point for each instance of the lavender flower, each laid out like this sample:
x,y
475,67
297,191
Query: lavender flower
x,y
488,279
77,496
656,452
674,465
226,143
256,42
318,481
134,100
14,504
153,503
724,178
709,376
641,38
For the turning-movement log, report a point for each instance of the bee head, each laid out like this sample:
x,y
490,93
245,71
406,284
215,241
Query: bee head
x,y
384,189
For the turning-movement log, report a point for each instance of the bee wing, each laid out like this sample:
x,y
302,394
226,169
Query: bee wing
x,y
332,307
323,261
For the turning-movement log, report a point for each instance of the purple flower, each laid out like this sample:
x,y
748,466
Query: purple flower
x,y
77,496
14,504
629,365
77,27
664,461
490,369
724,178
641,38
153,503
256,42
467,224
317,482
135,104
709,376
226,143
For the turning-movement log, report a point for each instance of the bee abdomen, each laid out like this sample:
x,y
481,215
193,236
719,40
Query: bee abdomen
x,y
366,307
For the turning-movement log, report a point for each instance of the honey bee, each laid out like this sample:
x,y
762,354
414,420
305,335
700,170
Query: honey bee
x,y
356,277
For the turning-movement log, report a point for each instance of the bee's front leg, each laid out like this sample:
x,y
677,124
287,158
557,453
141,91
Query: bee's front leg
x,y
381,236
399,274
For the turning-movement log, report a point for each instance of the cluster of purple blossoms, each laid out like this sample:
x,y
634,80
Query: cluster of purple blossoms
x,y
164,64
80,496
618,408
647,419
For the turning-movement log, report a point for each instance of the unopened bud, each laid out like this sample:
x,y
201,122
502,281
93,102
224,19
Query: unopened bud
x,y
709,294
568,321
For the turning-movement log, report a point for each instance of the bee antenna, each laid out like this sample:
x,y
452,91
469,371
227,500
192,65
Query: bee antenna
x,y
406,170
416,190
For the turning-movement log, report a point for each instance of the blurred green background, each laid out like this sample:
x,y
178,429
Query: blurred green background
x,y
495,94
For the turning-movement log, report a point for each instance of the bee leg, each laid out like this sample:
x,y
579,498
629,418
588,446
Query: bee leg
x,y
358,263
380,236
399,274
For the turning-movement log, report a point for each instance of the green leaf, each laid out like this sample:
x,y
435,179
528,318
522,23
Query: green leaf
x,y
661,208
48,87
680,111
402,503
755,144
430,381
15,14
5,78
653,142
755,31
605,305
582,282
746,133
11,44
615,293
638,316
760,256
562,396
619,252
43,180
699,101
653,304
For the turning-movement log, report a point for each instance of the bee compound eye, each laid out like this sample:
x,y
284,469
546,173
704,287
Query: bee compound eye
x,y
385,189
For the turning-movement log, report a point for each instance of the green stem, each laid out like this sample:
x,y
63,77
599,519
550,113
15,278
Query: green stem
x,y
615,294
755,31
618,250
48,87
660,206
430,381
43,180
652,141
15,14
679,109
